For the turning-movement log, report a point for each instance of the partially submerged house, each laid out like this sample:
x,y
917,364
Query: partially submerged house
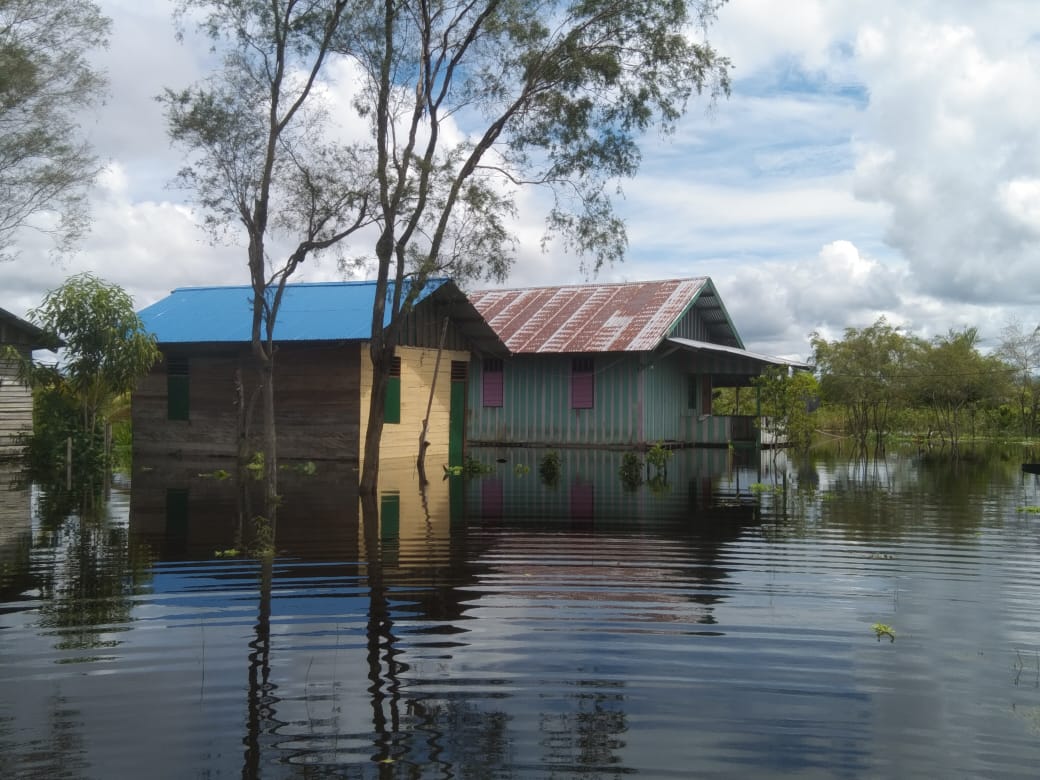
x,y
602,365
195,402
16,402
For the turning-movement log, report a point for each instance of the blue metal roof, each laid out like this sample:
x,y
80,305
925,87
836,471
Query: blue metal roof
x,y
321,311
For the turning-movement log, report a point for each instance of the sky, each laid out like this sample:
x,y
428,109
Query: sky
x,y
875,158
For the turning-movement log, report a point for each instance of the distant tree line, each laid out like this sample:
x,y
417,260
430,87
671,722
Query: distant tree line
x,y
878,381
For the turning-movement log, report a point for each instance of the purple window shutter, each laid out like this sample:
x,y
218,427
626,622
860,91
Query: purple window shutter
x,y
492,389
583,390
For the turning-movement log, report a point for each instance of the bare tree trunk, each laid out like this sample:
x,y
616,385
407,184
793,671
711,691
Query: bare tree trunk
x,y
270,445
374,430
423,444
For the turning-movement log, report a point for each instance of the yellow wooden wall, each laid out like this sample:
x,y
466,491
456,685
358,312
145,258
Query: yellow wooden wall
x,y
401,440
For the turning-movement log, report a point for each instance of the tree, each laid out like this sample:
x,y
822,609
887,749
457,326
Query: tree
x,y
552,94
105,351
45,80
1021,351
786,399
951,379
263,157
863,373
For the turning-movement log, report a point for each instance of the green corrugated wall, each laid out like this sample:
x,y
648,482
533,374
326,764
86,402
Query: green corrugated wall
x,y
637,401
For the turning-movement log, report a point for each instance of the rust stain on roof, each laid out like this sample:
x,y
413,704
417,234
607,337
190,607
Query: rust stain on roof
x,y
628,317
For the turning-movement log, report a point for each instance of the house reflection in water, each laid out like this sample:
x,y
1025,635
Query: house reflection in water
x,y
589,489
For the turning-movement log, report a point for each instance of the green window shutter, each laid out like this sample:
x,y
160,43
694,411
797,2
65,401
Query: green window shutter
x,y
392,409
178,389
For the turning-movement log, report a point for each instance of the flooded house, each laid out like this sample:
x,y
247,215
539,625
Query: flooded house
x,y
605,365
196,401
16,403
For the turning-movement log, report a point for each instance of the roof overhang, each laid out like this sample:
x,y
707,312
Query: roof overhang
x,y
468,321
721,349
16,331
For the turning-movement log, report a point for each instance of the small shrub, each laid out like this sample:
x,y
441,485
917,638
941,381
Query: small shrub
x,y
658,457
549,468
631,471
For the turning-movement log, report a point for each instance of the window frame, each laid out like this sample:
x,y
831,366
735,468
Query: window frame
x,y
583,383
492,383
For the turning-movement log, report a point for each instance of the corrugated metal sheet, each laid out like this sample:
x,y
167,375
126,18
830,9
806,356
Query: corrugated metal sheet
x,y
325,311
754,361
629,317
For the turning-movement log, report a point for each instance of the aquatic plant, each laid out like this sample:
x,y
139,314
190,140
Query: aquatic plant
x,y
521,469
231,552
470,468
658,457
219,474
631,471
883,629
549,468
256,466
1032,510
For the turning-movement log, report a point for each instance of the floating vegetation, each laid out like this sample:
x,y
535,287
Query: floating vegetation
x,y
256,466
1032,510
231,552
758,488
631,471
220,474
471,468
877,556
549,468
883,629
521,469
658,457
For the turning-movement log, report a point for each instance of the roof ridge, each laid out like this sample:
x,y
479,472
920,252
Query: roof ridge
x,y
578,285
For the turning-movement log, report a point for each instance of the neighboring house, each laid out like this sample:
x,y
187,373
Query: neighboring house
x,y
610,365
16,403
189,405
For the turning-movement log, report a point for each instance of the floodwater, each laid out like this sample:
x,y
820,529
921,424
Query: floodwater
x,y
715,623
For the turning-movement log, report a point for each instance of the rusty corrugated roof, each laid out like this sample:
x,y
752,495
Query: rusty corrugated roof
x,y
632,316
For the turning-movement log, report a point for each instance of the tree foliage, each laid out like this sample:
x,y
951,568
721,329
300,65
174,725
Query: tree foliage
x,y
1020,350
940,385
952,380
545,93
45,81
861,373
264,158
464,103
105,347
104,351
787,402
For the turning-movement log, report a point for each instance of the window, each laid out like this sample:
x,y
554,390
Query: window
x,y
492,390
178,405
392,407
582,384
699,390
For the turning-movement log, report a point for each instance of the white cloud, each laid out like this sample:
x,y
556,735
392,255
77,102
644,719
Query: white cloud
x,y
877,157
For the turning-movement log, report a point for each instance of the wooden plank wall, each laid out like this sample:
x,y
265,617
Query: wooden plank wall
x,y
316,405
16,408
401,440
